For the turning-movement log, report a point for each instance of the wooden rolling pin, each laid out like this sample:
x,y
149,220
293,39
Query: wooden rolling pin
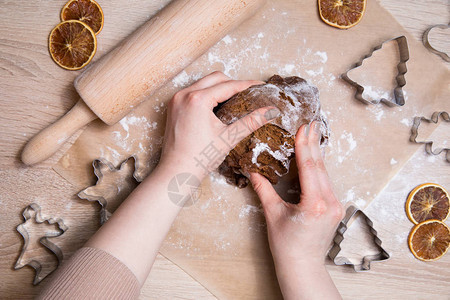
x,y
140,65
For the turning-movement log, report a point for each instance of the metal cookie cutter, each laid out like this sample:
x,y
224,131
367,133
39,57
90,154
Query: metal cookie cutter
x,y
400,78
366,260
112,187
33,211
426,42
429,144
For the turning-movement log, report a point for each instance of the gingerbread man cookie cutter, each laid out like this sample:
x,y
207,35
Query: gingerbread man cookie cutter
x,y
34,211
429,144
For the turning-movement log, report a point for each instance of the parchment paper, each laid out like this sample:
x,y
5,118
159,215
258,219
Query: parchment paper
x,y
221,240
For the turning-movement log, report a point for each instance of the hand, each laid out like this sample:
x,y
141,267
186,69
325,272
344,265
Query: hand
x,y
138,227
196,141
300,234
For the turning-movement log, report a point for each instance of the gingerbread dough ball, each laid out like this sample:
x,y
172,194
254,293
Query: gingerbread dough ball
x,y
270,149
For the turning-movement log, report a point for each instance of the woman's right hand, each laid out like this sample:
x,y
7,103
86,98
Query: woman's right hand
x,y
300,234
195,140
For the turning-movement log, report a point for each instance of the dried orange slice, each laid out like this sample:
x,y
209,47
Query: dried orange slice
x,y
428,201
86,11
342,14
72,44
429,240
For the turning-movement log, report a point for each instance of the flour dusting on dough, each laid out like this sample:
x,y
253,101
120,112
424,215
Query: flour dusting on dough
x,y
281,155
292,111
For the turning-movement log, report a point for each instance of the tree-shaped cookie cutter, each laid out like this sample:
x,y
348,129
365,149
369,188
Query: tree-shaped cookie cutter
x,y
339,237
399,98
28,213
429,144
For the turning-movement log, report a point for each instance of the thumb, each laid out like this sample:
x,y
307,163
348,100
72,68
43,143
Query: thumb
x,y
264,190
250,123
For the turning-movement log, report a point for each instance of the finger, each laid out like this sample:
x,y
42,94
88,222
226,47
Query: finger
x,y
243,127
315,135
207,81
264,190
222,91
307,171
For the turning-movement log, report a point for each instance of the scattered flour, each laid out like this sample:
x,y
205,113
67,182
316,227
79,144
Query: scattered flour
x,y
115,154
315,73
405,95
227,40
140,122
323,56
375,93
431,158
349,196
221,244
351,142
361,203
379,115
346,144
401,238
228,64
406,122
252,50
289,68
216,178
265,55
377,111
393,161
125,142
248,209
159,107
181,79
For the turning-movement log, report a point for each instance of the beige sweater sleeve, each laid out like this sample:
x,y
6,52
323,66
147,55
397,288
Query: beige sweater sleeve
x,y
92,274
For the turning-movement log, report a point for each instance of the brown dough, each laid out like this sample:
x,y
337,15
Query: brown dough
x,y
270,149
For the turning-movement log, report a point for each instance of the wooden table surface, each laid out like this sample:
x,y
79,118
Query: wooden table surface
x,y
24,66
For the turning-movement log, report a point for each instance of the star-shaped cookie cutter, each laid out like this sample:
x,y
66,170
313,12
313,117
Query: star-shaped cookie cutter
x,y
339,237
109,187
34,210
429,144
399,98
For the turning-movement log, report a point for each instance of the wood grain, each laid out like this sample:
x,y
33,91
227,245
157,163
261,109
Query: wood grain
x,y
44,144
34,92
156,52
140,65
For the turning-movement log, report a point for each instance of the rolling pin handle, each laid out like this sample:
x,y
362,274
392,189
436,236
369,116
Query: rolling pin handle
x,y
49,140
